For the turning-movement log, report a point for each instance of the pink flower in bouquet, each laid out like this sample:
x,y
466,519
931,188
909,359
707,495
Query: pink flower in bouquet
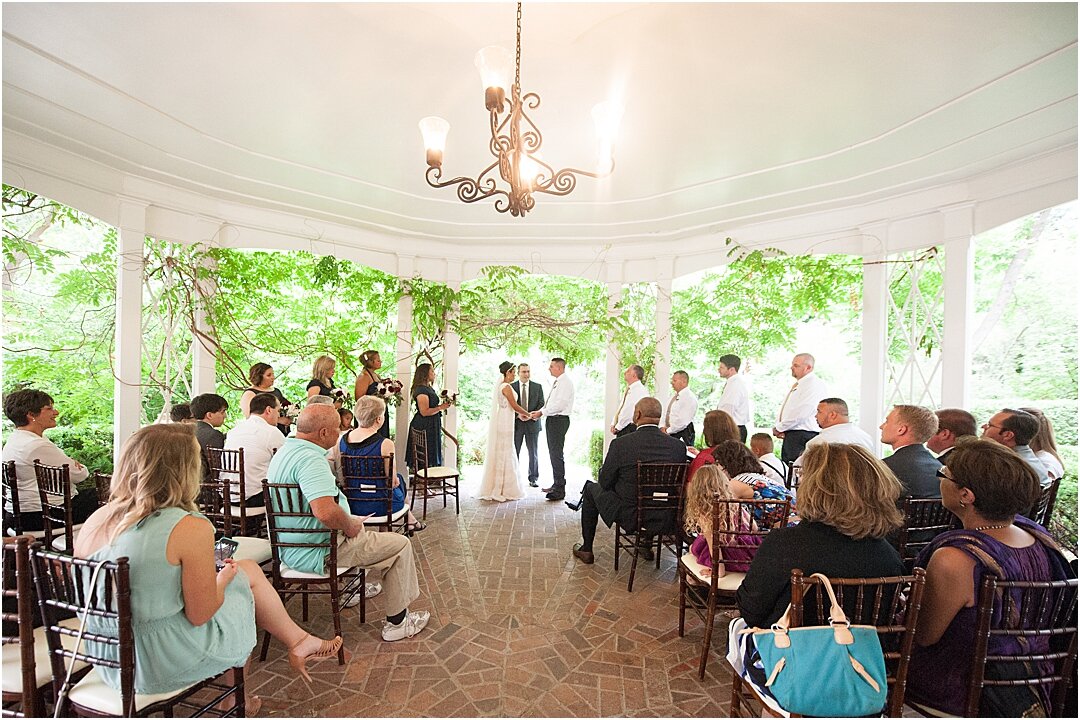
x,y
389,390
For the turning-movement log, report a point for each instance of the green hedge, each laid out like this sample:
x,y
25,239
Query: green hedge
x,y
92,445
596,451
1061,413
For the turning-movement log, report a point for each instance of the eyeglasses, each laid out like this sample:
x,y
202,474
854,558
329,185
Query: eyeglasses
x,y
992,425
945,472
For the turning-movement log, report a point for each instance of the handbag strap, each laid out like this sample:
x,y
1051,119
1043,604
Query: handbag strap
x,y
840,624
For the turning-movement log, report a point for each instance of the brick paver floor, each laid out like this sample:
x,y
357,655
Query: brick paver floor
x,y
519,628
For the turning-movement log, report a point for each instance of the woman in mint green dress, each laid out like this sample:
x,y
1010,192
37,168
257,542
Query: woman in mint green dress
x,y
190,621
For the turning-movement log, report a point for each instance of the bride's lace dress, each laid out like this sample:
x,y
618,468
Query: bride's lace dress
x,y
501,480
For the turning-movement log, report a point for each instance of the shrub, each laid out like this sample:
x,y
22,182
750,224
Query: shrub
x,y
90,444
596,451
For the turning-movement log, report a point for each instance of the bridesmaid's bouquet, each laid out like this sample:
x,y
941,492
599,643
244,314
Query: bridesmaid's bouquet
x,y
339,395
389,390
448,397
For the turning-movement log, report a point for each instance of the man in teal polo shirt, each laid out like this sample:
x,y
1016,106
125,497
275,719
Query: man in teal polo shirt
x,y
302,461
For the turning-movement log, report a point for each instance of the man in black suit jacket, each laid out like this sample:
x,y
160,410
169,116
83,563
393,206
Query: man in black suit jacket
x,y
209,411
614,497
528,430
906,428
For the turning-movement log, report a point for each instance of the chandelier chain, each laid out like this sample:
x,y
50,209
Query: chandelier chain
x,y
517,57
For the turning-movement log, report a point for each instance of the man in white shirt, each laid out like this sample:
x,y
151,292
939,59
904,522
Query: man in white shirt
x,y
623,424
736,398
557,409
259,437
795,422
836,427
761,444
679,416
32,413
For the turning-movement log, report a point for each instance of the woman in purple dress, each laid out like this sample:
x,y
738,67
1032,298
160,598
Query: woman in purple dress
x,y
986,486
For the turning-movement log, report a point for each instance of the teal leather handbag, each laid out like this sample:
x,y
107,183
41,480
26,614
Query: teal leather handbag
x,y
837,670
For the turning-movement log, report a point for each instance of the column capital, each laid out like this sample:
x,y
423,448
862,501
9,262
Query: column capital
x,y
958,221
406,266
132,215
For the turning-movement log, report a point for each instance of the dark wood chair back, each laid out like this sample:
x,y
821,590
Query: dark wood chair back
x,y
737,532
1041,616
660,489
924,519
890,604
54,487
12,513
419,444
285,500
1044,507
213,502
103,483
19,593
370,479
227,467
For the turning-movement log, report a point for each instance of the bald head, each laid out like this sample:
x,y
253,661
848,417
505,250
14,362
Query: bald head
x,y
318,424
647,411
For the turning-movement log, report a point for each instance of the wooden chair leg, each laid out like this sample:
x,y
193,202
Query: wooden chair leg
x,y
265,646
304,604
335,608
659,549
736,691
710,617
633,563
682,602
616,547
363,596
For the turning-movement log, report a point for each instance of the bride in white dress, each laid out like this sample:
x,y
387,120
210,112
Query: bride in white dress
x,y
501,481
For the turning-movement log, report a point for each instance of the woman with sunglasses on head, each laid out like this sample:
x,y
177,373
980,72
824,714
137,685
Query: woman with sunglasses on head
x,y
987,486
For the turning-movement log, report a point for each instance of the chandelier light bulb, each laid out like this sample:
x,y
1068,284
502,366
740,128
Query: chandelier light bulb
x,y
434,130
495,64
607,116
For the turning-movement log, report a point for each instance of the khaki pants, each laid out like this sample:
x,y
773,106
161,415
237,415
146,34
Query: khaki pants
x,y
384,551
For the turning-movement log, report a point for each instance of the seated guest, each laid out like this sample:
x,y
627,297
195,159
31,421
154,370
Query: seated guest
x,y
347,420
32,413
258,436
986,487
847,502
209,411
1045,446
614,496
905,429
367,441
181,413
748,482
1015,429
717,427
261,378
761,444
836,427
712,482
954,426
302,461
192,622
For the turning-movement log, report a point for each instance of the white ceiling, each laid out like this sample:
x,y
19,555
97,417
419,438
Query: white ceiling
x,y
734,113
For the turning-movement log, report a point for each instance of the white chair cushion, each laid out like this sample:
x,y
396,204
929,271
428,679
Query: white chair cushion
x,y
250,548
92,692
287,573
380,519
729,581
59,543
12,668
438,473
32,533
234,510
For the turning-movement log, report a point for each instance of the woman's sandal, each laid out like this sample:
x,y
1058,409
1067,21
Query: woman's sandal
x,y
328,649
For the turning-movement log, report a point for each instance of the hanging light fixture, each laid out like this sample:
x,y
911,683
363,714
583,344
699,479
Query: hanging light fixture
x,y
515,141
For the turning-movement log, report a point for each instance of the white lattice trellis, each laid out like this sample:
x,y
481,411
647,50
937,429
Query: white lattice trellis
x,y
916,314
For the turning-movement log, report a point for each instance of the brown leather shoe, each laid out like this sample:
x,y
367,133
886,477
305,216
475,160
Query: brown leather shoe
x,y
583,555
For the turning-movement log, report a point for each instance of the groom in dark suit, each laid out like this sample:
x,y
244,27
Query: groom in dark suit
x,y
614,497
531,397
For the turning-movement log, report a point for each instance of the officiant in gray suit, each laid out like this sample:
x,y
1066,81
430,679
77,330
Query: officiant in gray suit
x,y
531,397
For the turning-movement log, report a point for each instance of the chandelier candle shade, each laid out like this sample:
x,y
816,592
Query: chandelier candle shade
x,y
515,141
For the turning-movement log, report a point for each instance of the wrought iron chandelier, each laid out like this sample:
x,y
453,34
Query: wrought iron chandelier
x,y
515,141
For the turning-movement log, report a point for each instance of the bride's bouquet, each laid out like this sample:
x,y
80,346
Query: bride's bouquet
x,y
448,397
389,390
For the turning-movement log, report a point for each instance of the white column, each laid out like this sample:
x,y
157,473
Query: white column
x,y
874,331
451,355
662,362
127,350
203,358
613,371
959,283
404,363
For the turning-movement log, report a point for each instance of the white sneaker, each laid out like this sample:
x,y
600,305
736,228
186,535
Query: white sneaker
x,y
413,623
370,591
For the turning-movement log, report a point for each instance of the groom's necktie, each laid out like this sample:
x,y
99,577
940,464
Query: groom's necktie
x,y
667,414
525,395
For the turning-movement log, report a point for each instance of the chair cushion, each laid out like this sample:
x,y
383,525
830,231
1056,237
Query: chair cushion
x,y
234,510
12,667
380,519
439,473
728,582
92,692
59,543
32,533
250,548
288,573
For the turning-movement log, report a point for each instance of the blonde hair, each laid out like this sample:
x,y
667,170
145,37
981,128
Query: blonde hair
x,y
708,483
159,468
368,410
846,487
323,369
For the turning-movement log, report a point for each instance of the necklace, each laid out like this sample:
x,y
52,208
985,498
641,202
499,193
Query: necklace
x,y
984,528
